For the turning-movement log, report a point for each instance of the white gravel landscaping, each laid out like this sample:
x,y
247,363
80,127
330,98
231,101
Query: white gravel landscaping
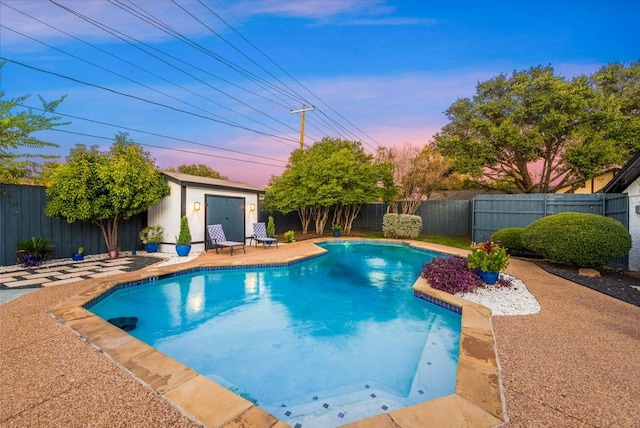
x,y
515,300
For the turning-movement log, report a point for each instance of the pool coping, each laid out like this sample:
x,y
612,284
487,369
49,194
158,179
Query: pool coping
x,y
477,401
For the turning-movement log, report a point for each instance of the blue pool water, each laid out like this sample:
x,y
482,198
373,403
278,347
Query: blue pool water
x,y
322,342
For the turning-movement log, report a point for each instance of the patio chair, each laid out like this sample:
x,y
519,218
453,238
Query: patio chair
x,y
260,235
218,240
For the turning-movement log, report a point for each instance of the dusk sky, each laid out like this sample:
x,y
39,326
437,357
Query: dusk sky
x,y
214,81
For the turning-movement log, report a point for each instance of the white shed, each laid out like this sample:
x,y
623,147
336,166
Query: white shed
x,y
628,181
205,201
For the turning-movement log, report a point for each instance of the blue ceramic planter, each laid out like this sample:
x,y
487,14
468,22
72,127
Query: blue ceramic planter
x,y
488,277
151,248
183,250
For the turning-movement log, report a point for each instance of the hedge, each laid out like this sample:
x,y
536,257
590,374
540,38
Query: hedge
x,y
577,239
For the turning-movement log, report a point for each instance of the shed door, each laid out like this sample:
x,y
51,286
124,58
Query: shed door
x,y
229,212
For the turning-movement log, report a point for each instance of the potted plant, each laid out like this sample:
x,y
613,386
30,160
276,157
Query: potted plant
x,y
32,252
488,259
336,228
151,236
183,240
78,255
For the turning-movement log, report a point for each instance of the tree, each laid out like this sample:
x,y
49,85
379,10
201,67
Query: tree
x,y
44,173
199,170
16,129
332,174
105,187
529,121
417,174
618,87
286,194
429,172
398,159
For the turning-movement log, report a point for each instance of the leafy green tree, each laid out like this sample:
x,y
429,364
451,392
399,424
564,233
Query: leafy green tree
x,y
618,87
332,173
105,187
535,121
44,172
16,129
199,170
286,194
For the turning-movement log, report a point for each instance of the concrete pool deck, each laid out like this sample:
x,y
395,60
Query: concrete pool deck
x,y
573,364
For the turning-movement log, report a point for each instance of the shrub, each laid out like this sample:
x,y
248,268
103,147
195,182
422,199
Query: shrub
x,y
271,227
450,274
401,225
577,239
510,238
152,234
32,252
184,238
290,236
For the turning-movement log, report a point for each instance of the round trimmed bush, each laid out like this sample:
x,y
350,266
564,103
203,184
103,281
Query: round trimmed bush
x,y
577,239
510,238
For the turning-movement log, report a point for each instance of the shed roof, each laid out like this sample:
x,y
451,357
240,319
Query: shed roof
x,y
212,183
627,175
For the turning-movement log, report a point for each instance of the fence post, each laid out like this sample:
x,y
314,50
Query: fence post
x,y
473,219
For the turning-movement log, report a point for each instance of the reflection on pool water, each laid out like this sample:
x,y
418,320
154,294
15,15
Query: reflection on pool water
x,y
322,342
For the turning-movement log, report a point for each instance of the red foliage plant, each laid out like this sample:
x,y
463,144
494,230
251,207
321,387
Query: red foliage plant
x,y
451,274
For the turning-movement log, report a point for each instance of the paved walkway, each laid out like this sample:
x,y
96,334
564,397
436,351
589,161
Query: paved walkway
x,y
56,275
19,282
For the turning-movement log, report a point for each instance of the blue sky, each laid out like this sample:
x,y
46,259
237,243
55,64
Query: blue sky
x,y
218,85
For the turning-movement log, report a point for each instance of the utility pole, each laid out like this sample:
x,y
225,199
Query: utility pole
x,y
302,110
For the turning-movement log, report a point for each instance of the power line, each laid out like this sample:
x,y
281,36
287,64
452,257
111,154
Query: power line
x,y
232,45
146,86
246,56
150,19
145,16
147,101
135,45
151,133
169,148
146,71
300,83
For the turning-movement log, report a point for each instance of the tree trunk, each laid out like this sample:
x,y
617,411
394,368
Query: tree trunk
x,y
410,206
321,217
304,214
109,230
350,214
338,217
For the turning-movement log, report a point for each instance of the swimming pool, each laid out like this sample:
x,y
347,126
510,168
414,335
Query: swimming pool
x,y
288,350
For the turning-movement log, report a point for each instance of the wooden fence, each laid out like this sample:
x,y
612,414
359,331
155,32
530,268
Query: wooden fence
x,y
22,217
449,218
494,212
